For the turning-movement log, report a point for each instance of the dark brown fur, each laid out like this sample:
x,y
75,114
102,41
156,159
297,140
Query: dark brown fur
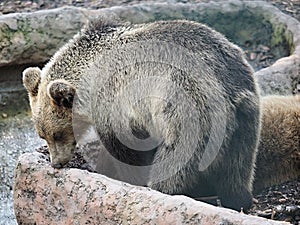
x,y
221,70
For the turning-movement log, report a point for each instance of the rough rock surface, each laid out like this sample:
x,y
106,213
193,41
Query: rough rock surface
x,y
43,195
34,37
282,77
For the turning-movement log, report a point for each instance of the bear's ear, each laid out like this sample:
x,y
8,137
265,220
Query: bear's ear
x,y
61,92
31,80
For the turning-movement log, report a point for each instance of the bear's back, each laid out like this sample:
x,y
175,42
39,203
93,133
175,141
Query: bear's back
x,y
215,51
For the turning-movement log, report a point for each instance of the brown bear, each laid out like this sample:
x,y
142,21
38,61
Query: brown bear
x,y
278,158
174,103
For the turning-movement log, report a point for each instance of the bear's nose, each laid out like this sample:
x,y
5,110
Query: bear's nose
x,y
57,165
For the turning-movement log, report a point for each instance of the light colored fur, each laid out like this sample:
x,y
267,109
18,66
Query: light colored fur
x,y
278,158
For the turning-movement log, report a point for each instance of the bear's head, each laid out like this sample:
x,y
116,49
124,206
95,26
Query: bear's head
x,y
51,106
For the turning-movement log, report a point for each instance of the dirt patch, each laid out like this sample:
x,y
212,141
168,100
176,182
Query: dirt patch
x,y
280,202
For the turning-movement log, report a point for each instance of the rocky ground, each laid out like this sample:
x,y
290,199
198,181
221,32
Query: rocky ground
x,y
17,136
280,202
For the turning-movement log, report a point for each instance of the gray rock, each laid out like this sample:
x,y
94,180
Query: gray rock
x,y
44,195
282,77
35,37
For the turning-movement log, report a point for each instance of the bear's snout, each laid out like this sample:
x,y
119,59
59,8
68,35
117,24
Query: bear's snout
x,y
61,153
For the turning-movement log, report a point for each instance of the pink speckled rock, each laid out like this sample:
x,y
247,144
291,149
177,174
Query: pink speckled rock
x,y
43,195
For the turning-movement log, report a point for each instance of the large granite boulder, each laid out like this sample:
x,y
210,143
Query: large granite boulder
x,y
44,195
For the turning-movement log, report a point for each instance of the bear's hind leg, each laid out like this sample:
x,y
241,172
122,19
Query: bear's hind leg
x,y
233,177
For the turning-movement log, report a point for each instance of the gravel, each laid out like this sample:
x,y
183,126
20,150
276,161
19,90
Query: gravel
x,y
280,202
17,136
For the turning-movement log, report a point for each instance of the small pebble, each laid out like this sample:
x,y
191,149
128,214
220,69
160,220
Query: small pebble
x,y
255,201
252,56
265,48
282,200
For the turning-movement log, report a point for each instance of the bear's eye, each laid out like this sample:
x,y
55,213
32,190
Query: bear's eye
x,y
58,136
